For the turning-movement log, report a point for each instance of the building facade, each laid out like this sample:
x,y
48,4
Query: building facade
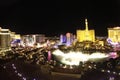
x,y
30,40
114,34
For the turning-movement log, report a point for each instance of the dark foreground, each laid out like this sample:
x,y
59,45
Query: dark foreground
x,y
19,70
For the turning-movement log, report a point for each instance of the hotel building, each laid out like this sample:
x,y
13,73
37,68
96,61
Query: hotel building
x,y
114,34
85,35
4,38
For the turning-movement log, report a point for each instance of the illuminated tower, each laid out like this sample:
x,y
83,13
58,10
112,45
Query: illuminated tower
x,y
85,35
86,30
86,25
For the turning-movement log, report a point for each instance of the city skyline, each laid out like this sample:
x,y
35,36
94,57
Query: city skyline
x,y
55,17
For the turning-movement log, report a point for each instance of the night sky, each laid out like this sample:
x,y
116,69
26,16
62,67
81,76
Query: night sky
x,y
60,16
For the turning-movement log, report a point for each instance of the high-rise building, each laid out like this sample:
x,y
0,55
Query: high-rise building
x,y
114,34
4,38
67,39
85,35
70,38
63,38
